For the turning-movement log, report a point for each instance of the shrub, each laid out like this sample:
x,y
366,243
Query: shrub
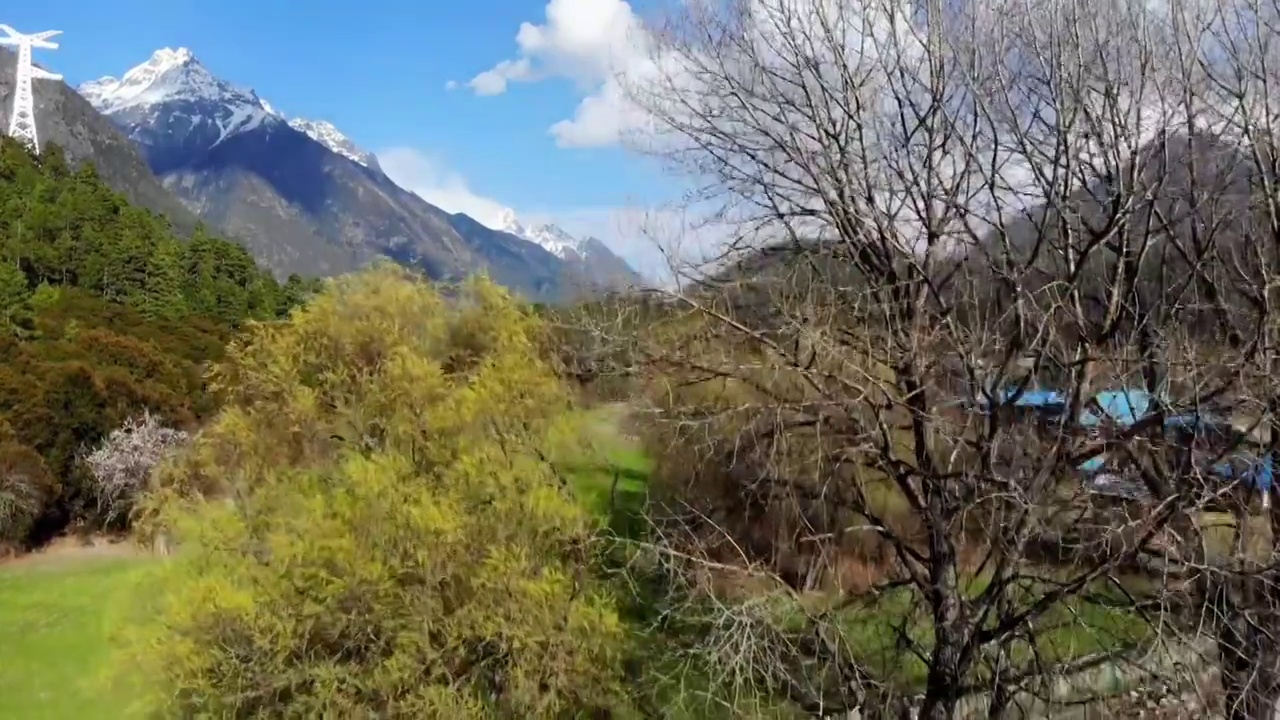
x,y
121,466
366,529
25,488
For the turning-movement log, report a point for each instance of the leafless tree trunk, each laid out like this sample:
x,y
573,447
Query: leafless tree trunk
x,y
929,203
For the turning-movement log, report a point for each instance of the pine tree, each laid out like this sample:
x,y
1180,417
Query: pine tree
x,y
15,297
162,292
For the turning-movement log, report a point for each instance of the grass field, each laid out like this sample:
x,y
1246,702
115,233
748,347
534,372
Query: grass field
x,y
57,619
607,469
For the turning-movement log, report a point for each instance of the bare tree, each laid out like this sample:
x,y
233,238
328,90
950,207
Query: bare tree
x,y
1236,77
937,207
121,466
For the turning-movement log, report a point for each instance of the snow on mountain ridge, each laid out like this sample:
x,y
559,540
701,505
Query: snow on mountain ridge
x,y
509,223
172,75
177,75
167,75
267,106
551,237
326,134
587,257
555,239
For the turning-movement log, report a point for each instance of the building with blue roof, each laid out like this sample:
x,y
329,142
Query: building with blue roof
x,y
1241,461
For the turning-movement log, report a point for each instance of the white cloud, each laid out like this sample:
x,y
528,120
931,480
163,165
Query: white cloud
x,y
494,81
607,49
593,43
602,46
437,184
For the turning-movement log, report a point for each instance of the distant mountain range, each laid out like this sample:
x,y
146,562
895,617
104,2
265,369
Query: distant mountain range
x,y
587,255
301,195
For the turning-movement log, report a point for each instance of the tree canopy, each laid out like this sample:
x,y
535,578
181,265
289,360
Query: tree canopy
x,y
104,313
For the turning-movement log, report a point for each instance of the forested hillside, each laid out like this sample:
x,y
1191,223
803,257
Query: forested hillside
x,y
104,313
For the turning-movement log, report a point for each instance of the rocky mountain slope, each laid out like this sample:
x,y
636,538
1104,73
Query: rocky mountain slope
x,y
301,195
65,118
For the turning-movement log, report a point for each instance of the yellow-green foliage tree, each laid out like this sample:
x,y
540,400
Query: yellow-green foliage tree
x,y
366,529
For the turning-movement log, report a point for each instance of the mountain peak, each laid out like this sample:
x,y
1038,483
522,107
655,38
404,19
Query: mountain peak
x,y
172,100
171,57
509,223
588,254
168,74
551,237
173,77
270,110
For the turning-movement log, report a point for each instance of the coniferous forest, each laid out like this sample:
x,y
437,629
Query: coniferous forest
x,y
104,313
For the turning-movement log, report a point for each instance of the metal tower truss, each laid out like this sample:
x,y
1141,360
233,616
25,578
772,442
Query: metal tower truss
x,y
22,123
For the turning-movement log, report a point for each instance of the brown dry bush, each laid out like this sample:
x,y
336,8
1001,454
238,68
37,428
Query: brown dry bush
x,y
766,489
26,488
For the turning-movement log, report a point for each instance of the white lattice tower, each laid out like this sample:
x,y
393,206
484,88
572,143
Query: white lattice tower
x,y
22,123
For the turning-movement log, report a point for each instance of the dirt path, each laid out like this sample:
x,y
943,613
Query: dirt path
x,y
66,550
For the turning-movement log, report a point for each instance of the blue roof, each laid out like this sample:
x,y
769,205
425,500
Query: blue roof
x,y
1125,407
1094,464
1040,398
1193,419
1258,472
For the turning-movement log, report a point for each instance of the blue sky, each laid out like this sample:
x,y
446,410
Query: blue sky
x,y
378,70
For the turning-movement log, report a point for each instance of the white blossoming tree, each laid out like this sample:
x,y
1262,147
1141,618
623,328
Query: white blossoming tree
x,y
122,464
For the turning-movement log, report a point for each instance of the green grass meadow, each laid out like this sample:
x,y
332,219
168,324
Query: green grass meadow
x,y
57,623
606,469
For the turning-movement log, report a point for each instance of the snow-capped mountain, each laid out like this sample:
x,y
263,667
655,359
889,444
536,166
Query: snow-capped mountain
x,y
198,106
326,134
85,136
171,76
173,100
552,237
298,193
589,255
